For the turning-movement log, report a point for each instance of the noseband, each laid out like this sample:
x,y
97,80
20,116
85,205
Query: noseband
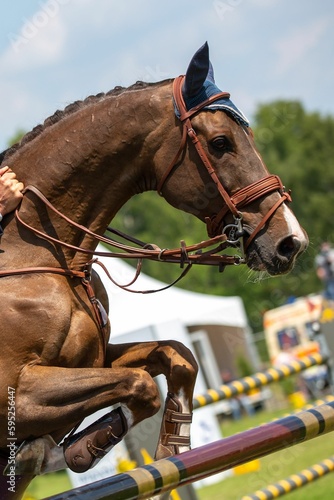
x,y
243,197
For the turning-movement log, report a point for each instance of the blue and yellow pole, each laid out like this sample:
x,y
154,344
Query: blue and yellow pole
x,y
246,384
166,474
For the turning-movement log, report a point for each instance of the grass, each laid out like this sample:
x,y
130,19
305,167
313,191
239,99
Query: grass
x,y
45,486
276,466
273,468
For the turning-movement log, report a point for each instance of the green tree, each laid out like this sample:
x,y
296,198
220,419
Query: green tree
x,y
299,147
16,137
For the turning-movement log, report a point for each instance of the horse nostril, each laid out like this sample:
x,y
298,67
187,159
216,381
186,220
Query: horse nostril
x,y
289,247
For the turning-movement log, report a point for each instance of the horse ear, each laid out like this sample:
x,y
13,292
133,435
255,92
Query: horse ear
x,y
197,71
211,75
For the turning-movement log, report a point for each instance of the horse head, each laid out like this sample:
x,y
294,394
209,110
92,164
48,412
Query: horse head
x,y
223,178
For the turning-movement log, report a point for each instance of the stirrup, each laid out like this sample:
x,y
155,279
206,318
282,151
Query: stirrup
x,y
83,450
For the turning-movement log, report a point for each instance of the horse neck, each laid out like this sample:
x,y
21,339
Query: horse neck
x,y
92,161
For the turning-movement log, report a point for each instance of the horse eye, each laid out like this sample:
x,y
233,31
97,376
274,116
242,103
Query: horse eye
x,y
220,143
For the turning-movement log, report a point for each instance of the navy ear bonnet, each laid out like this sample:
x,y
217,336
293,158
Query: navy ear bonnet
x,y
200,85
210,89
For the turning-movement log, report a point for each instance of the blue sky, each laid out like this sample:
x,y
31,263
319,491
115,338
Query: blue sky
x,y
54,52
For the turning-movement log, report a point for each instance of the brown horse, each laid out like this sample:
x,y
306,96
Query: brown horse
x,y
56,364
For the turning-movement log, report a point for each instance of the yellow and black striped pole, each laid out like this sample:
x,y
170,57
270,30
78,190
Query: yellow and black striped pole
x,y
168,473
294,481
246,384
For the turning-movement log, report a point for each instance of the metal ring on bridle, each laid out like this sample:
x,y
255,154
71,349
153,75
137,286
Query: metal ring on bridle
x,y
236,229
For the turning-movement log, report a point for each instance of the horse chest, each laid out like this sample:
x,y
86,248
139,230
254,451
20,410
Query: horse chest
x,y
82,347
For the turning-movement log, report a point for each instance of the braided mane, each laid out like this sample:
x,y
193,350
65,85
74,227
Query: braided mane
x,y
72,108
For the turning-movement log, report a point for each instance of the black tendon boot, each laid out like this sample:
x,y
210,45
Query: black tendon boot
x,y
83,450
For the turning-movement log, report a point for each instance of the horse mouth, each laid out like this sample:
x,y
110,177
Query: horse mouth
x,y
278,260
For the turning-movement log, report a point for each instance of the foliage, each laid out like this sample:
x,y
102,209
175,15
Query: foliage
x,y
245,368
16,137
299,147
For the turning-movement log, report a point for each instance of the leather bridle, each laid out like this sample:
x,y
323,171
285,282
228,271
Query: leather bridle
x,y
232,204
208,252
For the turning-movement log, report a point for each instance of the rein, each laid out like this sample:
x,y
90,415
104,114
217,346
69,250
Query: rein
x,y
207,252
192,254
189,255
241,198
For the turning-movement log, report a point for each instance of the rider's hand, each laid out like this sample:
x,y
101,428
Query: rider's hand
x,y
10,190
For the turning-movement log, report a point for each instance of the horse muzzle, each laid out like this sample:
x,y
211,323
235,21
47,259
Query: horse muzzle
x,y
276,259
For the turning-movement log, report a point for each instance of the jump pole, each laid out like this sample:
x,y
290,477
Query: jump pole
x,y
168,473
246,384
293,482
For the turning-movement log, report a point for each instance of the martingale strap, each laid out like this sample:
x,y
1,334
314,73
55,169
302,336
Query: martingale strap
x,y
244,196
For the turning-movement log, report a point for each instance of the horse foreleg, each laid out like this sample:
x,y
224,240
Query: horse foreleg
x,y
58,398
176,362
181,372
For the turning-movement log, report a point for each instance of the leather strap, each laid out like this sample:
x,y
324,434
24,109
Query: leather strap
x,y
178,417
99,311
191,254
174,439
247,195
284,197
37,270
